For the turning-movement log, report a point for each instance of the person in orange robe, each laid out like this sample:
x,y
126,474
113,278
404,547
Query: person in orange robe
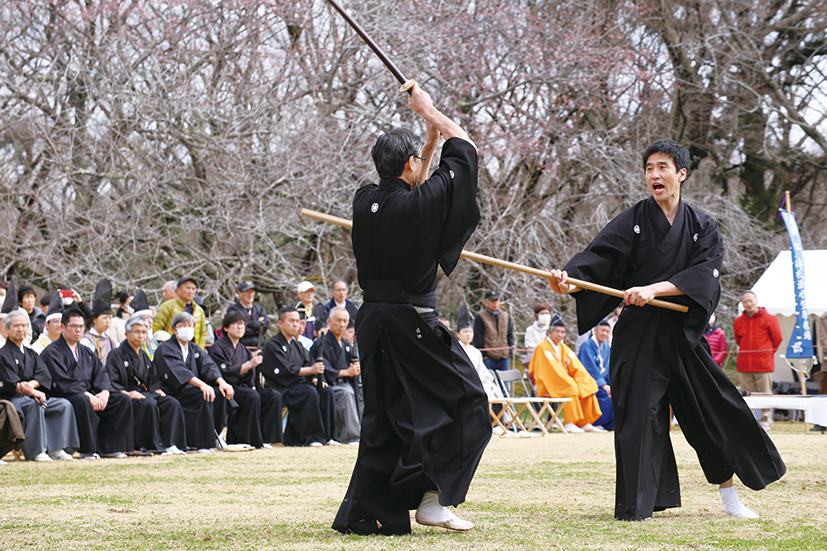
x,y
558,373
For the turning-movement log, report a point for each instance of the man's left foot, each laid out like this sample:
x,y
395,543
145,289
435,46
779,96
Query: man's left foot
x,y
733,505
431,513
332,443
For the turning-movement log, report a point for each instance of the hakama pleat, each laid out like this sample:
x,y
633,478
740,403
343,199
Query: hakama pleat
x,y
198,417
311,414
347,413
49,428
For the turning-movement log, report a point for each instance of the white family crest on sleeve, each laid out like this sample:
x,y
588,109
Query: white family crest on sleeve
x,y
695,237
451,172
715,272
636,229
374,207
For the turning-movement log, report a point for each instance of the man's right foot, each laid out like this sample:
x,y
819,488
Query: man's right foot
x,y
431,513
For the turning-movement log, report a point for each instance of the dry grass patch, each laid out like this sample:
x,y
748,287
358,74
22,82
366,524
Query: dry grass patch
x,y
554,492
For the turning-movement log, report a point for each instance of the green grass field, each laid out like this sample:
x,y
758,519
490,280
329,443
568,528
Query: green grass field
x,y
553,492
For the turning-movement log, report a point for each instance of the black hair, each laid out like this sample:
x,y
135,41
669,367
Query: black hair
x,y
284,311
393,149
23,291
679,154
232,317
46,299
71,313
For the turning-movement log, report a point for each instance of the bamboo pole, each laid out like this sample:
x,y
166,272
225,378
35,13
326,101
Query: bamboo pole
x,y
345,223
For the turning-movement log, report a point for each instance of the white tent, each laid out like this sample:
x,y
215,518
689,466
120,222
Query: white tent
x,y
774,290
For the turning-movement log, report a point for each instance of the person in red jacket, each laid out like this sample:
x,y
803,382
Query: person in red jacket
x,y
716,338
758,335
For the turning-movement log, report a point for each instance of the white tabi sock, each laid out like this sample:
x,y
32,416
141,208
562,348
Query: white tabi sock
x,y
431,513
733,505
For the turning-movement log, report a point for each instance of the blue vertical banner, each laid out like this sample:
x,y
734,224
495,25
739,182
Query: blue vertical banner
x,y
801,340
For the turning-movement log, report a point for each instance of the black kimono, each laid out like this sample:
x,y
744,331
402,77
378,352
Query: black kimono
x,y
257,418
337,358
175,373
50,426
425,422
105,432
311,414
157,421
254,328
657,359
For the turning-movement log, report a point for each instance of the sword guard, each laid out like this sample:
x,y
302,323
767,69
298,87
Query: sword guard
x,y
409,84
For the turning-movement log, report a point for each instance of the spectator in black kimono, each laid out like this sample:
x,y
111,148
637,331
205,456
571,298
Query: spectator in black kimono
x,y
104,415
341,371
256,417
189,374
49,422
158,419
287,367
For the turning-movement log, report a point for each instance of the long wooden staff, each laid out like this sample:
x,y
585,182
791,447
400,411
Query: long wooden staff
x,y
407,84
345,223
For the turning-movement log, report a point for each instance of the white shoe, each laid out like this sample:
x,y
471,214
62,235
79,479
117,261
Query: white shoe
x,y
42,457
733,505
498,430
266,447
431,513
332,443
206,450
60,454
173,450
3,462
316,444
572,428
353,442
90,456
116,455
591,428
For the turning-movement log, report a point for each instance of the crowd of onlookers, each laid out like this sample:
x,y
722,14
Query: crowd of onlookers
x,y
82,379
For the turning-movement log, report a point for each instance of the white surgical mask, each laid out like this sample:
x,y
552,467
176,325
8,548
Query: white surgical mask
x,y
543,320
186,334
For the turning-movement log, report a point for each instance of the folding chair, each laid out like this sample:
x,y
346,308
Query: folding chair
x,y
533,405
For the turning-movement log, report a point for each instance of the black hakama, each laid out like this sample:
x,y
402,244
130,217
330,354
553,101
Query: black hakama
x,y
175,372
425,422
157,421
104,432
249,412
311,411
657,359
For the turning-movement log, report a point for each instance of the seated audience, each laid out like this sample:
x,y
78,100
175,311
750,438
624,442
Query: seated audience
x,y
157,419
305,342
256,320
142,308
49,423
494,333
341,372
559,374
98,339
256,417
338,292
26,299
286,367
104,416
52,326
124,312
314,314
187,288
536,332
11,431
716,338
594,355
187,373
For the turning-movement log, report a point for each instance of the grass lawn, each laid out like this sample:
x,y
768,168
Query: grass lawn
x,y
554,492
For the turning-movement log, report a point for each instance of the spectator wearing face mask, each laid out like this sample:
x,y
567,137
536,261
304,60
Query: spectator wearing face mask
x,y
536,332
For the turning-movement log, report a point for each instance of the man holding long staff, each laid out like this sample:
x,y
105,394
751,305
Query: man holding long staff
x,y
425,422
662,247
